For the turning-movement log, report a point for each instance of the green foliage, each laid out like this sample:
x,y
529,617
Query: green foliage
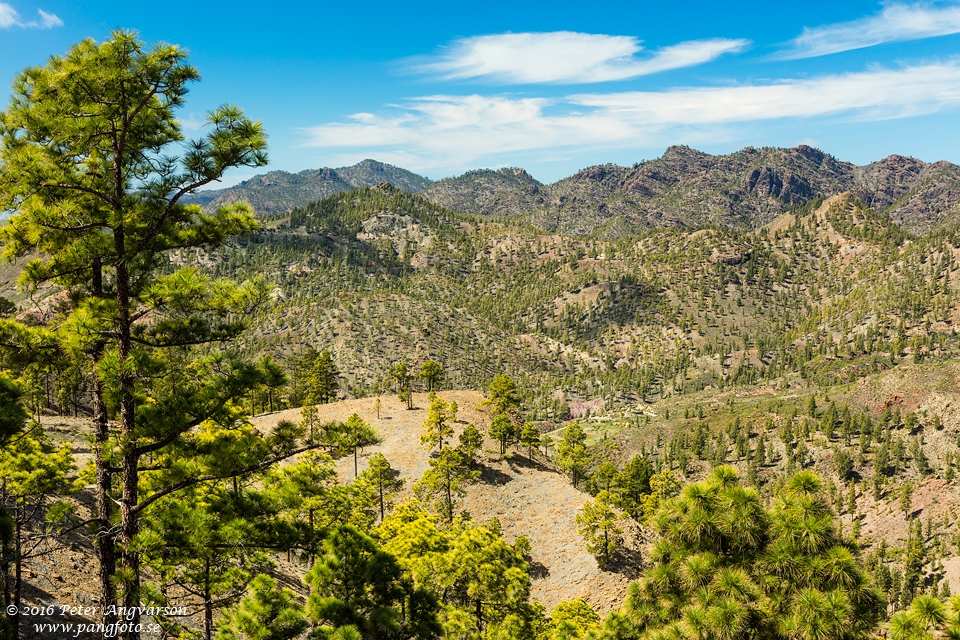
x,y
598,526
355,435
726,567
385,480
316,377
663,486
431,371
445,483
12,414
926,616
484,584
503,393
355,583
471,440
530,438
35,474
437,425
399,372
265,613
7,307
576,613
92,173
843,463
503,431
273,376
633,486
308,499
572,455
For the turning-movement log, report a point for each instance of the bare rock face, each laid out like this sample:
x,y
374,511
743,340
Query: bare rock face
x,y
684,187
690,188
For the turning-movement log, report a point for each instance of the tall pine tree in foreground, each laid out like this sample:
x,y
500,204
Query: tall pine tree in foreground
x,y
94,168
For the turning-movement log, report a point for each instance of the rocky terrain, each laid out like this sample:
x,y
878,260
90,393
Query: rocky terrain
x,y
684,187
279,191
690,188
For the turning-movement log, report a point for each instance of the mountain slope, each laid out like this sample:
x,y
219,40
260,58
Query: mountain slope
x,y
277,192
690,188
528,497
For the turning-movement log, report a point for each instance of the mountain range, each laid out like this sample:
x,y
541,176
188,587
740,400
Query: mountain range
x,y
684,187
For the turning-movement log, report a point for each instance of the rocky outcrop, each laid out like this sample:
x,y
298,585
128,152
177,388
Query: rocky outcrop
x,y
688,187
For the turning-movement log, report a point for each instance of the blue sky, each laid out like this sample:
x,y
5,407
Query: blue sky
x,y
440,88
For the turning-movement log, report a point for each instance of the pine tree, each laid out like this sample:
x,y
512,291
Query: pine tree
x,y
598,526
357,434
530,438
725,567
385,479
34,473
470,442
266,613
632,486
90,174
274,378
503,393
431,372
444,483
437,425
572,453
12,419
323,379
356,584
502,430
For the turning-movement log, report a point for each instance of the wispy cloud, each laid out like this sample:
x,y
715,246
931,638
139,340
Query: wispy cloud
x,y
896,23
191,123
455,132
564,57
9,18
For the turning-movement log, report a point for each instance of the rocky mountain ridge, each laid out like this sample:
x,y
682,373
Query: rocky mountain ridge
x,y
279,191
684,187
690,188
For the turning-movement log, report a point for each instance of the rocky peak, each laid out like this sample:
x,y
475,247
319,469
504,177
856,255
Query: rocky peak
x,y
814,155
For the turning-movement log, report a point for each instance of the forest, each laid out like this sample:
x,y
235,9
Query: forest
x,y
375,417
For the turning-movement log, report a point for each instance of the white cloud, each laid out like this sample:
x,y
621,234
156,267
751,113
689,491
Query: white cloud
x,y
49,20
896,23
192,123
455,132
870,95
565,57
9,18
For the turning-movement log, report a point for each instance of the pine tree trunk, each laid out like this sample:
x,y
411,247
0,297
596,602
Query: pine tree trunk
x,y
207,603
130,477
310,516
381,497
106,547
18,577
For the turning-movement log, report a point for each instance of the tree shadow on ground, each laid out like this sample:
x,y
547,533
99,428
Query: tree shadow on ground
x,y
490,475
627,562
538,570
524,462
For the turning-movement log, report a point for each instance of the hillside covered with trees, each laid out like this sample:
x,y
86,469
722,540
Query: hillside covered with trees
x,y
749,427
